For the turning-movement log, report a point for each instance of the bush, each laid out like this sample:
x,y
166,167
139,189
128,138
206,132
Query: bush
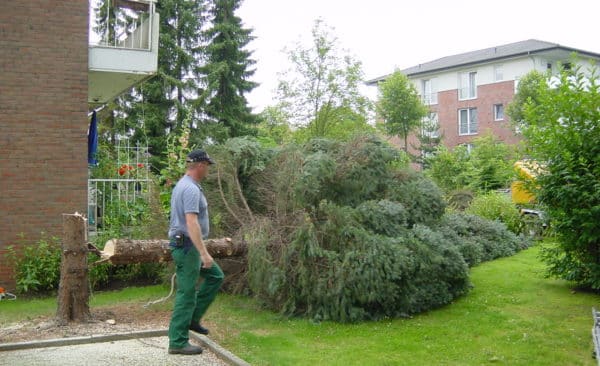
x,y
355,274
561,128
348,236
497,206
423,200
479,239
37,266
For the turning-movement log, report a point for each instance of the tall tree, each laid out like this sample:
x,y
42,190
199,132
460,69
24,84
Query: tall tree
x,y
228,70
321,84
160,105
400,106
562,131
527,93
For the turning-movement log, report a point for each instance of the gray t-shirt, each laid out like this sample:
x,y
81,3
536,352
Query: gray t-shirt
x,y
188,197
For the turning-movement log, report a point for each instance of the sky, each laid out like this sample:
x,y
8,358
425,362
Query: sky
x,y
389,34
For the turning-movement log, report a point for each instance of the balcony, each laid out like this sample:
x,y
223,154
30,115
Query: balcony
x,y
123,48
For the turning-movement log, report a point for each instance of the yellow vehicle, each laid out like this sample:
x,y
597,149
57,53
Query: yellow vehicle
x,y
534,220
526,170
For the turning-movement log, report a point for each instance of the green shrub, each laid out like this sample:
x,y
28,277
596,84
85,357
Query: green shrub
x,y
561,129
349,235
497,206
383,217
355,274
420,196
479,239
37,266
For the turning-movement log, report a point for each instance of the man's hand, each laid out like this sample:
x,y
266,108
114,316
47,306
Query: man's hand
x,y
207,260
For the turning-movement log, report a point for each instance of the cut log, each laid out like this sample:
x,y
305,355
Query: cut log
x,y
130,251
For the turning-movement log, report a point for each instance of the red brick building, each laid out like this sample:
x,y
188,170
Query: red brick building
x,y
467,93
45,87
43,118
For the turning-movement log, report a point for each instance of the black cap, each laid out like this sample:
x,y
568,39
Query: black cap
x,y
198,156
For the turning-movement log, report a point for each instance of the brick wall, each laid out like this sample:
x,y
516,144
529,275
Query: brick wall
x,y
43,119
487,96
447,109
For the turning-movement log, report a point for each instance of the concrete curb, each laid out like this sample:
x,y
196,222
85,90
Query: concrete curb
x,y
219,351
59,342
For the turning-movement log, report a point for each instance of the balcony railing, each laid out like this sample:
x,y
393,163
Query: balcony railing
x,y
122,24
123,47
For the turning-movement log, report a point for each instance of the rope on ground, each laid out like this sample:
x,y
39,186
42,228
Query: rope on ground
x,y
166,297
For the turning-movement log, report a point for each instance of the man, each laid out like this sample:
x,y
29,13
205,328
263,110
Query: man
x,y
188,228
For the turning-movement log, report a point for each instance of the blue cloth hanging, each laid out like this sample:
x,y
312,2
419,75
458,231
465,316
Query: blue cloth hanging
x,y
93,141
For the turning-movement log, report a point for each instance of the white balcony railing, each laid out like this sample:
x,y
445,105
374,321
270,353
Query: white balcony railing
x,y
122,23
123,47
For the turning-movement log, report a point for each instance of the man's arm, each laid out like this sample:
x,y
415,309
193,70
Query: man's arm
x,y
195,232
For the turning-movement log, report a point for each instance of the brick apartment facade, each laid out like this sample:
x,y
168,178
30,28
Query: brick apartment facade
x,y
43,119
490,79
487,97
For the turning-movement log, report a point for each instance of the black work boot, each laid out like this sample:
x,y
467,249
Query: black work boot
x,y
190,349
198,329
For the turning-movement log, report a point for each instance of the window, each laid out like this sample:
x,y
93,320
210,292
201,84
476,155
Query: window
x,y
430,126
428,92
467,121
498,112
498,73
467,87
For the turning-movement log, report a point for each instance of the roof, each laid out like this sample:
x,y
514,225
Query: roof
x,y
530,46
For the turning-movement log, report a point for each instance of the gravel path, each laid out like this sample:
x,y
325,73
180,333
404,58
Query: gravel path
x,y
133,352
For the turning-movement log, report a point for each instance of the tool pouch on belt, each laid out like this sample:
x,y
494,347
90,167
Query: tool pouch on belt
x,y
180,241
177,241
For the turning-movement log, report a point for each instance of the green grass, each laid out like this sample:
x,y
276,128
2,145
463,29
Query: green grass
x,y
512,316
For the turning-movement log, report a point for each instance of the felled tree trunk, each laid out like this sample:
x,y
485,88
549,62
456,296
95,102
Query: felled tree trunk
x,y
129,251
73,289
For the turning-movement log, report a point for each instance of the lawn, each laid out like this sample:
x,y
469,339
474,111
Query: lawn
x,y
512,316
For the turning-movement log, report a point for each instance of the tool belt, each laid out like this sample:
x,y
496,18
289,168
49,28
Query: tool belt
x,y
180,241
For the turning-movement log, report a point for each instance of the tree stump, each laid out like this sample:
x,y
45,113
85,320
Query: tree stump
x,y
73,290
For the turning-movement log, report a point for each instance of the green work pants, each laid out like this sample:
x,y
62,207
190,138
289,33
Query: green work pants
x,y
191,304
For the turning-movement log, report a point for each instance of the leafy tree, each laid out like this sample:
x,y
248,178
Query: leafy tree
x,y
527,93
487,167
451,169
273,128
322,85
492,162
400,106
344,125
562,133
228,69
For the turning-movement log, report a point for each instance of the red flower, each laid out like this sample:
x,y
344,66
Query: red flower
x,y
122,170
140,165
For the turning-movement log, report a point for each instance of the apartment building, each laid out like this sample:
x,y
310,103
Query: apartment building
x,y
468,93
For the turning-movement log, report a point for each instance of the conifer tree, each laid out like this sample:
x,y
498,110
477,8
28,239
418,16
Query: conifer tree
x,y
227,71
159,105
